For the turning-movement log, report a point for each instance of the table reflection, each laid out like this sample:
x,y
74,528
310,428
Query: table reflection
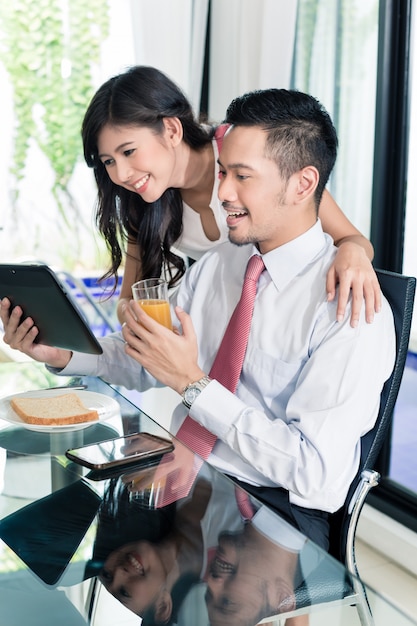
x,y
195,560
168,541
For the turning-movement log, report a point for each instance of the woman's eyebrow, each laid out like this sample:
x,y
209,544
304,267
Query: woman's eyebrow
x,y
118,149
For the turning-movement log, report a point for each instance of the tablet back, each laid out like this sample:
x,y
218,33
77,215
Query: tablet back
x,y
38,291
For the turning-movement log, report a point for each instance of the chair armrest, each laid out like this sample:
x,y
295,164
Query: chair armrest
x,y
369,479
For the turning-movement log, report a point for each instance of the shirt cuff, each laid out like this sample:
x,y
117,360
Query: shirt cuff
x,y
79,364
217,409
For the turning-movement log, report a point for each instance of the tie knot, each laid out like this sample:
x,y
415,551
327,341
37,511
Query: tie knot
x,y
254,268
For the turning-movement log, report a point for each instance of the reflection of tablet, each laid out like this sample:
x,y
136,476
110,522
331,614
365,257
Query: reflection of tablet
x,y
45,534
40,294
121,451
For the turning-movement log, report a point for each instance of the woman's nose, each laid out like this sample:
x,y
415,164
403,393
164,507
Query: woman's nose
x,y
124,173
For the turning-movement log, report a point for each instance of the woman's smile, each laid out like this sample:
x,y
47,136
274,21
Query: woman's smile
x,y
141,184
134,561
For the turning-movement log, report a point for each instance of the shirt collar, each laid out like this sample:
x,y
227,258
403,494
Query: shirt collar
x,y
286,261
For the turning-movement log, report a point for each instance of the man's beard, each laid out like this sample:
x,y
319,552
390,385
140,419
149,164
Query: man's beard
x,y
241,242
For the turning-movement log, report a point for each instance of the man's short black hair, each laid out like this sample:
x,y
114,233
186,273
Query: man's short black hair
x,y
300,131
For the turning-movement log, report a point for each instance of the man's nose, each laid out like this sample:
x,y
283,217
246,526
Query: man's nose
x,y
215,587
226,191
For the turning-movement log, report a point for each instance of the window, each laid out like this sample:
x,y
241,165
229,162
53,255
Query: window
x,y
53,56
402,461
335,60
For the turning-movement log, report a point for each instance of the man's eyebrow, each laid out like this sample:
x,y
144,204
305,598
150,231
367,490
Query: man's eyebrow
x,y
235,166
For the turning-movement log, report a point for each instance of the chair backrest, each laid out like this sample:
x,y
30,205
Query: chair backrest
x,y
399,290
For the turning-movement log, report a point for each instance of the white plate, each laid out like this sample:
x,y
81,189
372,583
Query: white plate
x,y
105,406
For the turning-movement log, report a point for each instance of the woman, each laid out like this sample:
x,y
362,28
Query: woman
x,y
157,177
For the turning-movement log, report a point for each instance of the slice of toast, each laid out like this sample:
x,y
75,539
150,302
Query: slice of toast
x,y
58,410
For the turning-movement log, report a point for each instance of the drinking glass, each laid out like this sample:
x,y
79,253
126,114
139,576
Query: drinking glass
x,y
152,295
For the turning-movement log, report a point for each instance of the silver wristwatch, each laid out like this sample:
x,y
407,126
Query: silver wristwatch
x,y
191,391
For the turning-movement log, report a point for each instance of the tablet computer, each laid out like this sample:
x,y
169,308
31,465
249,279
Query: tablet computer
x,y
42,296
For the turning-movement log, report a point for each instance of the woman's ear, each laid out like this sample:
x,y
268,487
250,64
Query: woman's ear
x,y
163,607
174,131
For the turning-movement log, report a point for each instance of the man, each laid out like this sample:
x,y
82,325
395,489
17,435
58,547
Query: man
x,y
310,386
254,572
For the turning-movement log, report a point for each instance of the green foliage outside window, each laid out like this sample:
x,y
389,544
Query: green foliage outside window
x,y
49,49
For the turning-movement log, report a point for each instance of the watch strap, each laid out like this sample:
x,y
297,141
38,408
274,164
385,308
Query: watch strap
x,y
198,384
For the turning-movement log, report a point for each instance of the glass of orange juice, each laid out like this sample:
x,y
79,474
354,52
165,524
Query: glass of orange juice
x,y
152,295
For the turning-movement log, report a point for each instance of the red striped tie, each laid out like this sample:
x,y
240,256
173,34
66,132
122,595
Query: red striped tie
x,y
244,503
226,369
228,363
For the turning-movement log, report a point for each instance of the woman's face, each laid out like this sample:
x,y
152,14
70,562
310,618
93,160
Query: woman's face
x,y
135,575
139,160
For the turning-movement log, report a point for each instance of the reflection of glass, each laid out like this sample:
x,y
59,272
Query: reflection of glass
x,y
152,295
148,498
144,489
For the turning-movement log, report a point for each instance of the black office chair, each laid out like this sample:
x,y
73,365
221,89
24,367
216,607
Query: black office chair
x,y
325,587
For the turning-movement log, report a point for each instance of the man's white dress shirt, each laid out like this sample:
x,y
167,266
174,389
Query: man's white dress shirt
x,y
310,386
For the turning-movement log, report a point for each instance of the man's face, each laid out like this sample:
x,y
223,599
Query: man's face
x,y
248,580
252,190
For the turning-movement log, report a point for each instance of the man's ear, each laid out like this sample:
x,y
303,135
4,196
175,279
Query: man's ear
x,y
174,131
306,181
163,607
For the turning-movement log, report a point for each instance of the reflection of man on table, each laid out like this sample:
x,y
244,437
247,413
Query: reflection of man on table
x,y
253,573
310,386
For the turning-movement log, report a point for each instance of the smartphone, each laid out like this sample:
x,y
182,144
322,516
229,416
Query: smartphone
x,y
135,449
42,296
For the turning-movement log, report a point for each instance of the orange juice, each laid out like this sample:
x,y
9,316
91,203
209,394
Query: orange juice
x,y
158,310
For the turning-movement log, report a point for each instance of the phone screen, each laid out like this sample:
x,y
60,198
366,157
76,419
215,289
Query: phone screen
x,y
131,449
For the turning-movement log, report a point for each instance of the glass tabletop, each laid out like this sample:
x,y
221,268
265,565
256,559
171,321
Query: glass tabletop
x,y
169,543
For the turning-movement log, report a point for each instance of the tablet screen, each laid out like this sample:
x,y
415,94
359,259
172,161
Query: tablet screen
x,y
40,294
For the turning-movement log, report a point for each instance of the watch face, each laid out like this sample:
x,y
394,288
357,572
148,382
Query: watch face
x,y
191,394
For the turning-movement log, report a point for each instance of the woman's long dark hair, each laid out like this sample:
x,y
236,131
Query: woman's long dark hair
x,y
141,96
121,521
